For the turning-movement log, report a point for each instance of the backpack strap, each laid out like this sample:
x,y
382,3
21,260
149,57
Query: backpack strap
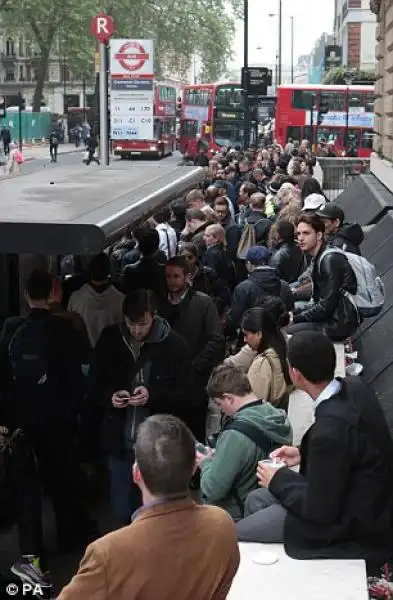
x,y
259,439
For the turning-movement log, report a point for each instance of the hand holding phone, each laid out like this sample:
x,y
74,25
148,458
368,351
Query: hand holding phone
x,y
139,397
120,399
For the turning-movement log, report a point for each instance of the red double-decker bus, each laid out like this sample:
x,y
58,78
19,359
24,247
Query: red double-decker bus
x,y
163,141
348,126
212,114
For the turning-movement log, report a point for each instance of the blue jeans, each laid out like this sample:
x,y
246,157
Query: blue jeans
x,y
125,495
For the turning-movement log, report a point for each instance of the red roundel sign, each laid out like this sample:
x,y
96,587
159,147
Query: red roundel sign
x,y
132,56
102,26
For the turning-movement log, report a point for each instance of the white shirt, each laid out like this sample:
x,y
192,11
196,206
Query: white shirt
x,y
329,391
168,239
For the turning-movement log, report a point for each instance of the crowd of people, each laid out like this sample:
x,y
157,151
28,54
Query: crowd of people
x,y
171,360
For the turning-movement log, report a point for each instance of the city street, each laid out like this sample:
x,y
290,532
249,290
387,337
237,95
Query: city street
x,y
75,159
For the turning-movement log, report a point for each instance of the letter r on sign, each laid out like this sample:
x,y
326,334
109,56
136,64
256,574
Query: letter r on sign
x,y
102,25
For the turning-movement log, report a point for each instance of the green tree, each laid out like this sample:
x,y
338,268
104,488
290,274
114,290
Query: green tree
x,y
339,76
179,29
48,25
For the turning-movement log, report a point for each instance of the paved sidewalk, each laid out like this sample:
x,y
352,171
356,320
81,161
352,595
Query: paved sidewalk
x,y
41,152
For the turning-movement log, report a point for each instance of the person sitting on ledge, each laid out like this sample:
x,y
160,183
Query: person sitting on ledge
x,y
340,503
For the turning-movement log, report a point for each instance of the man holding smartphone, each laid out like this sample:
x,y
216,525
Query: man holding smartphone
x,y
140,367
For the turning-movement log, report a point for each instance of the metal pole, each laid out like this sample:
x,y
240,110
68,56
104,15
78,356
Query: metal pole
x,y
279,41
292,43
194,64
245,61
104,153
276,76
312,122
20,128
84,99
346,122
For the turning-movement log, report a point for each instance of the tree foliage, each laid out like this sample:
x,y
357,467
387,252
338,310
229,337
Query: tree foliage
x,y
180,30
340,75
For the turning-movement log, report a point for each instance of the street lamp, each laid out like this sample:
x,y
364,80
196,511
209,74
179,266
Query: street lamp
x,y
246,80
277,75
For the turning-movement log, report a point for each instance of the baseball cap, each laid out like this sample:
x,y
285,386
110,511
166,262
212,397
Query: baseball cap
x,y
257,255
314,202
331,211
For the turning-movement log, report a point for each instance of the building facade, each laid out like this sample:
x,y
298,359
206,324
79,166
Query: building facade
x,y
18,73
383,142
354,30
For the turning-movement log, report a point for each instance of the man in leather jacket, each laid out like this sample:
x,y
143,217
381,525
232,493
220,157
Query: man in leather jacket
x,y
332,309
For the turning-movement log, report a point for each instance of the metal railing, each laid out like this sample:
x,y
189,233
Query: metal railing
x,y
339,173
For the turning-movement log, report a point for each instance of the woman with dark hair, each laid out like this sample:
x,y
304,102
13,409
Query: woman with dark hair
x,y
311,186
287,258
268,374
202,278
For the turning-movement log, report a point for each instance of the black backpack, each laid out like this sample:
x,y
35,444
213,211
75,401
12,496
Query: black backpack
x,y
29,353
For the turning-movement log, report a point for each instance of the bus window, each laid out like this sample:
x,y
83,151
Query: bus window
x,y
369,104
167,93
355,100
307,133
302,99
367,138
197,97
295,133
328,134
353,140
190,128
228,131
336,101
229,96
157,129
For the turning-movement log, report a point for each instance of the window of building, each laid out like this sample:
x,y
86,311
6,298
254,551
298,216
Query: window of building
x,y
197,97
9,74
65,74
10,47
21,74
21,47
303,99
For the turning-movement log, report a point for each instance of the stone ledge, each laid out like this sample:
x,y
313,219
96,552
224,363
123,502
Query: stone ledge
x,y
382,168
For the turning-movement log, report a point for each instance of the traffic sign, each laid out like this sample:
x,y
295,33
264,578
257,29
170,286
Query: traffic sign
x,y
255,80
102,27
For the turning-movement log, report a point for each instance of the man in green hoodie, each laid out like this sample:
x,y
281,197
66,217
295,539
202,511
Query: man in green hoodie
x,y
255,428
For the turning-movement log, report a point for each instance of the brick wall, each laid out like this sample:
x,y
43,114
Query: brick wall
x,y
354,34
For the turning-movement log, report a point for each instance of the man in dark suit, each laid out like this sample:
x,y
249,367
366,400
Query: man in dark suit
x,y
340,503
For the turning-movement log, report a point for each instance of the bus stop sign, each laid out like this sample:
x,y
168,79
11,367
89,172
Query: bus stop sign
x,y
102,27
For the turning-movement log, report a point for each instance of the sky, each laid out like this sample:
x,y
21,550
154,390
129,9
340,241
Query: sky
x,y
311,18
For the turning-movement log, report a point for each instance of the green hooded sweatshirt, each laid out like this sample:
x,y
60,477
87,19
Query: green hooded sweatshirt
x,y
234,465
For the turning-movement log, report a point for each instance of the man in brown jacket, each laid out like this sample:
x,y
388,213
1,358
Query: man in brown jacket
x,y
174,549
